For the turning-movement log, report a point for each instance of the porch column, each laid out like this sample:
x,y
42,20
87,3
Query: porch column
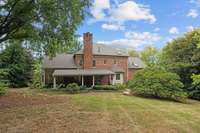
x,y
109,79
93,80
54,82
113,78
44,77
82,80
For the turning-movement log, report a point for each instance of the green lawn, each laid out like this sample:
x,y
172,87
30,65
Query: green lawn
x,y
102,112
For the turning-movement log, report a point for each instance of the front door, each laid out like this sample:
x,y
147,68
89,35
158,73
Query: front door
x,y
88,81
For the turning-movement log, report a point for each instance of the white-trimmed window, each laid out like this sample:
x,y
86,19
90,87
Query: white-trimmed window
x,y
118,76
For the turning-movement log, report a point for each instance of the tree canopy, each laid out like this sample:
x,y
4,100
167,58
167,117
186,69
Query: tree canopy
x,y
182,56
150,55
133,53
50,23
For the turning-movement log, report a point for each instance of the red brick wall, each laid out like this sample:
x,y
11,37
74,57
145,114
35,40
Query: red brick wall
x,y
131,73
77,60
88,57
120,61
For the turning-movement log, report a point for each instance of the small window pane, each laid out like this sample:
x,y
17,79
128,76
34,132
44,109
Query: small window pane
x,y
115,62
80,62
105,62
117,76
94,63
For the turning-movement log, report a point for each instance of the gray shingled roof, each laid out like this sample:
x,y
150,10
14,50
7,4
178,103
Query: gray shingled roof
x,y
135,62
82,72
101,49
60,61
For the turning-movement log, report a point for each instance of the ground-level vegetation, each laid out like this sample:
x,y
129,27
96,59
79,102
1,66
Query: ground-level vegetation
x,y
32,110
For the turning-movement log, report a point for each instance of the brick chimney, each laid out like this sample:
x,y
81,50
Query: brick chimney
x,y
88,56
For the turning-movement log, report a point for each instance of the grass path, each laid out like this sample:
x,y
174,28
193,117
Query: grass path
x,y
124,111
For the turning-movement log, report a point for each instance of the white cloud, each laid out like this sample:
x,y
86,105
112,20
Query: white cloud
x,y
130,10
98,8
114,27
156,29
190,28
102,10
174,30
193,13
196,2
135,40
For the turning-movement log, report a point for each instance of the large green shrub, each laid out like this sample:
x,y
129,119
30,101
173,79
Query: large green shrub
x,y
104,87
72,88
195,92
158,83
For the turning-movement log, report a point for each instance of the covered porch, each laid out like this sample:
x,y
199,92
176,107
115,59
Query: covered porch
x,y
84,77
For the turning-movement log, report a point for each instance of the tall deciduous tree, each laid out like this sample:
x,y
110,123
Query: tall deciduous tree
x,y
182,56
133,53
150,55
51,23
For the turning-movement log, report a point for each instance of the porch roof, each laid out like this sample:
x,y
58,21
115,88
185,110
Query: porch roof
x,y
85,72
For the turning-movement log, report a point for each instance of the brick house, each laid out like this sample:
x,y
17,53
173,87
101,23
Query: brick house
x,y
94,64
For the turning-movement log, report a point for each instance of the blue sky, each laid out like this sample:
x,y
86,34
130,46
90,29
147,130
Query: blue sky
x,y
139,23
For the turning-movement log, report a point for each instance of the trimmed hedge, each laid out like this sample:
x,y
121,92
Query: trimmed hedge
x,y
104,87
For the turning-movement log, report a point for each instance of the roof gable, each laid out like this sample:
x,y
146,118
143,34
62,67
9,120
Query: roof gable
x,y
59,61
135,62
101,49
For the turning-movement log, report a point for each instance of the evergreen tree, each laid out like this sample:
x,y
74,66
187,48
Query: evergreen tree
x,y
16,65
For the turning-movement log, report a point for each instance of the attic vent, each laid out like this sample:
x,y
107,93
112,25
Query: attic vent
x,y
119,52
99,49
134,64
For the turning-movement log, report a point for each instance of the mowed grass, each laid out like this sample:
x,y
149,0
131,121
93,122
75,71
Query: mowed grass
x,y
94,112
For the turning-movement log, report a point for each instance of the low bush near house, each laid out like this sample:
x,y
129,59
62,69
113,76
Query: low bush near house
x,y
104,87
72,88
121,86
195,92
158,83
3,88
83,87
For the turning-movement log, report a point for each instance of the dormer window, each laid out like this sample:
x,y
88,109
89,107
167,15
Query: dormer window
x,y
99,49
134,64
104,62
94,63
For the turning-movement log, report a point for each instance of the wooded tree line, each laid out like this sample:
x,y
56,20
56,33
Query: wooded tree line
x,y
180,56
36,27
